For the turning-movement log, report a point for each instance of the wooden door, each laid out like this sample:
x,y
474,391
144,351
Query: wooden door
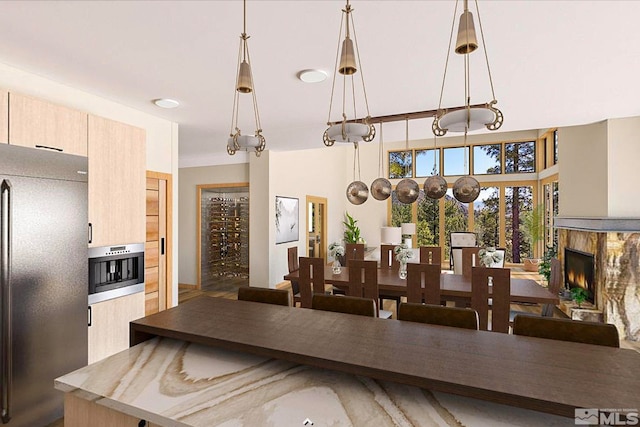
x,y
317,227
4,116
157,277
40,124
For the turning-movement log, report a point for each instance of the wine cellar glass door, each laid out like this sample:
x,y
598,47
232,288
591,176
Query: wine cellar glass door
x,y
224,238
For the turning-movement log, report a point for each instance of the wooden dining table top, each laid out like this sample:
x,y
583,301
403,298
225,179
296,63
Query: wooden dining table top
x,y
541,374
451,285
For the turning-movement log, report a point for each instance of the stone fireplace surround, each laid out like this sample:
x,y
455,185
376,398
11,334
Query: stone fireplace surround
x,y
615,243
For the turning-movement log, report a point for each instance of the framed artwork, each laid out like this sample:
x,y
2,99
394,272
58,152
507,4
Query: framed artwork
x,y
287,224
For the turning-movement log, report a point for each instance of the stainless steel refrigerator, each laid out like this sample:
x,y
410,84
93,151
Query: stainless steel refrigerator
x,y
43,279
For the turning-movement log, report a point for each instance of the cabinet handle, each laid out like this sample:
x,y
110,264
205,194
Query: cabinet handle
x,y
50,148
89,316
162,246
90,232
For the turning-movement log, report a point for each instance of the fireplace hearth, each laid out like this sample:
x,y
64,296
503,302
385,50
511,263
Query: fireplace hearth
x,y
579,271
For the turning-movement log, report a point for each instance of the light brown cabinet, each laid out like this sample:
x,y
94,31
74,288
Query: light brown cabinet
x,y
109,324
117,181
4,116
40,124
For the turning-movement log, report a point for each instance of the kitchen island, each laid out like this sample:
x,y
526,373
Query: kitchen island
x,y
213,361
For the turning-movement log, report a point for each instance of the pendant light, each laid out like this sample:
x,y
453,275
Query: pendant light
x,y
471,117
343,130
407,190
381,187
244,84
357,191
435,187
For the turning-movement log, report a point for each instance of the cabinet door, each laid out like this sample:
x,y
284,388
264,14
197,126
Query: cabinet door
x,y
109,327
4,116
116,182
41,124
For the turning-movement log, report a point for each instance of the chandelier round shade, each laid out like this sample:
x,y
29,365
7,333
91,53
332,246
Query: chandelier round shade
x,y
357,192
245,143
407,191
349,132
456,121
381,189
466,189
435,187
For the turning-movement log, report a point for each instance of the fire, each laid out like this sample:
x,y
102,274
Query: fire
x,y
578,279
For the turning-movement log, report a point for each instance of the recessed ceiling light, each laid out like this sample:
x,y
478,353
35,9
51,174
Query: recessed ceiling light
x,y
312,76
166,103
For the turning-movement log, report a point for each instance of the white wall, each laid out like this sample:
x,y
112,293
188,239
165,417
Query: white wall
x,y
582,170
189,179
623,175
162,135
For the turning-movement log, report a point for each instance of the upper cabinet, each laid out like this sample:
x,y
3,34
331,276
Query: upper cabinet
x,y
41,124
4,116
117,182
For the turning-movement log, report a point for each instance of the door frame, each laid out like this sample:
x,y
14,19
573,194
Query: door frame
x,y
199,189
323,231
169,246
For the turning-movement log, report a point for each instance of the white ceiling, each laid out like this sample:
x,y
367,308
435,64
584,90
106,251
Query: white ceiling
x,y
554,63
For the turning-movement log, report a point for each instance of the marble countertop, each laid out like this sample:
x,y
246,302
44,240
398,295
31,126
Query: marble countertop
x,y
174,383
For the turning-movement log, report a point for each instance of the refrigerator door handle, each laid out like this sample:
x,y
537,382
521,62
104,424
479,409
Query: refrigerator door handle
x,y
5,301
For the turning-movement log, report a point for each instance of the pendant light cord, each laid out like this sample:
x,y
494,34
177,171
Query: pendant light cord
x,y
484,47
446,63
356,154
380,153
406,144
333,82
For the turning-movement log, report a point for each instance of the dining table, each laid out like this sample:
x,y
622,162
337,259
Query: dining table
x,y
455,287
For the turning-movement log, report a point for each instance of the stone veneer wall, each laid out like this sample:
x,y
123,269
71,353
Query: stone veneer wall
x,y
617,274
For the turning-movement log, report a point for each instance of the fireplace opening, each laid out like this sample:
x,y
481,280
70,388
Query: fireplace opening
x,y
578,271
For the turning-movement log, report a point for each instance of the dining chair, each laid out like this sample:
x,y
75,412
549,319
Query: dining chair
x,y
439,315
265,295
566,330
310,279
554,287
423,283
499,279
363,282
294,265
388,260
353,251
431,255
344,304
470,259
457,241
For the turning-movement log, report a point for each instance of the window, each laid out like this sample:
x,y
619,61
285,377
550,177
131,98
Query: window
x,y
400,164
486,159
425,162
454,161
486,214
555,146
428,225
518,200
399,211
550,212
456,218
519,157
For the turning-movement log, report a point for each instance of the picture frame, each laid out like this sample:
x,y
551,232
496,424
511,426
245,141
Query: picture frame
x,y
287,219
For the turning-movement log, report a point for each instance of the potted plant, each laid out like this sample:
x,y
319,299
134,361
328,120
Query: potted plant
x,y
351,230
336,250
489,256
533,230
544,268
579,295
403,255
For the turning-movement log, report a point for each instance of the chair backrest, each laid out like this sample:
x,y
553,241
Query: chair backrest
x,y
470,259
265,295
439,315
554,285
423,283
344,304
566,330
292,259
388,258
500,296
311,279
431,255
457,240
353,251
363,280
